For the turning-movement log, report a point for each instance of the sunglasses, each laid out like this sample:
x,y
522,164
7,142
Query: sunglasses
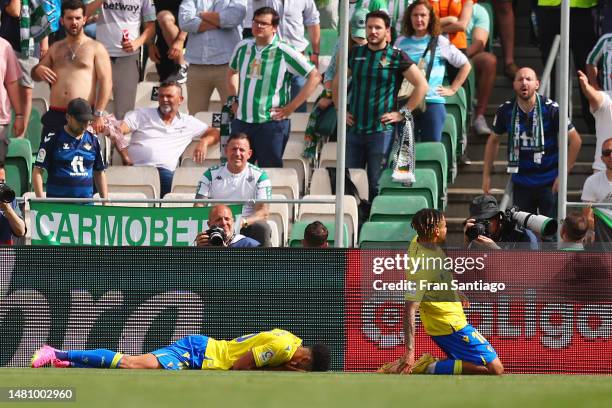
x,y
606,153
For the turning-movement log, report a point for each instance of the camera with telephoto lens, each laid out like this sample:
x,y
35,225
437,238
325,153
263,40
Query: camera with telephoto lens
x,y
216,236
7,194
480,227
540,224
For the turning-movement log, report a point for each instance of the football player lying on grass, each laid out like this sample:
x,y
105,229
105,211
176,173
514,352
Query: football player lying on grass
x,y
270,350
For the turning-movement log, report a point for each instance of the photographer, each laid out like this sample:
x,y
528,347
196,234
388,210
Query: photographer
x,y
221,231
11,225
488,227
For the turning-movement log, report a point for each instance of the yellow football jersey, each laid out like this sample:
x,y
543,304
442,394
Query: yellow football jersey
x,y
270,348
440,308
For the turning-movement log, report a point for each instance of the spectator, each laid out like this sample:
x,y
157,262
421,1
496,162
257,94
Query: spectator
x,y
119,30
315,235
420,30
531,122
598,187
160,135
260,72
505,21
602,50
221,216
377,70
76,67
357,37
10,11
214,31
167,49
11,224
500,232
582,38
485,65
573,231
454,17
72,158
10,73
294,16
237,179
600,104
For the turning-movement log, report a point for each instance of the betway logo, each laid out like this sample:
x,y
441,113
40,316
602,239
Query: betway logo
x,y
123,7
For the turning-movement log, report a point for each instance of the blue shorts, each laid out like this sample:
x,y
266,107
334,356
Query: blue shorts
x,y
186,353
466,345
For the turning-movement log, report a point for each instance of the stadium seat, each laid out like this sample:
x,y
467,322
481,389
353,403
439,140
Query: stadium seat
x,y
328,155
132,179
285,182
299,121
386,234
449,140
213,156
321,183
432,155
456,106
279,213
327,212
426,185
297,233
186,179
41,105
18,165
126,195
292,158
396,208
178,196
274,234
33,131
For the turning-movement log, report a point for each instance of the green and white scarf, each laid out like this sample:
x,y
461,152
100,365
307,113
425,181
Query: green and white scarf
x,y
537,132
34,25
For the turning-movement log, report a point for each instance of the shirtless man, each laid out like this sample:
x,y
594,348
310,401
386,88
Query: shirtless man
x,y
74,68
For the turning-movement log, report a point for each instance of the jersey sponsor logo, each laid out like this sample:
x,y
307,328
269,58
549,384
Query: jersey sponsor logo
x,y
133,8
42,153
266,356
78,166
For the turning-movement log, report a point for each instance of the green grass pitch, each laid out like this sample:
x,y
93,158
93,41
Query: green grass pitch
x,y
141,388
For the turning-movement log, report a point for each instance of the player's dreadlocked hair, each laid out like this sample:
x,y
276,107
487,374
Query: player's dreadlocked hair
x,y
320,357
425,222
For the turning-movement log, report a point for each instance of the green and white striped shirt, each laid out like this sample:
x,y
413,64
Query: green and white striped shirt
x,y
603,49
265,77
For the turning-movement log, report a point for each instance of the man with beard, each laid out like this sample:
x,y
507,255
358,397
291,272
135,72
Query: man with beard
x,y
75,67
531,122
160,135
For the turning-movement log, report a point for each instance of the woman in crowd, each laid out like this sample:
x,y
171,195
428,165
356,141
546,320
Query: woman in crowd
x,y
420,32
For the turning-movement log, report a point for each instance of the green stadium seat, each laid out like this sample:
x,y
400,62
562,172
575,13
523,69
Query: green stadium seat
x,y
389,234
432,155
297,233
396,208
456,106
426,185
18,165
34,131
449,139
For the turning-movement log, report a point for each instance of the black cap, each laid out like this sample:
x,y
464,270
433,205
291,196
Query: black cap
x,y
80,109
484,207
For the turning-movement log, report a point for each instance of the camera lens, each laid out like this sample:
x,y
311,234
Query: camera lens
x,y
7,195
475,230
216,236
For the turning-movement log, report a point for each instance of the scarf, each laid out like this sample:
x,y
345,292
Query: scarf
x,y
537,132
402,154
38,17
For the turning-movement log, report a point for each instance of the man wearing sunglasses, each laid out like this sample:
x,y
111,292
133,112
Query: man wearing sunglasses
x,y
72,158
598,188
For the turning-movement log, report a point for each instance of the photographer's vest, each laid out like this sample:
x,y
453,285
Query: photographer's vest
x,y
573,3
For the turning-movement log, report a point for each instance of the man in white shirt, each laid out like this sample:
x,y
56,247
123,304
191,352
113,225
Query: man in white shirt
x,y
598,187
160,135
237,179
600,103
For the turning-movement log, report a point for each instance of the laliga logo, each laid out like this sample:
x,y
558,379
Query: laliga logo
x,y
381,318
